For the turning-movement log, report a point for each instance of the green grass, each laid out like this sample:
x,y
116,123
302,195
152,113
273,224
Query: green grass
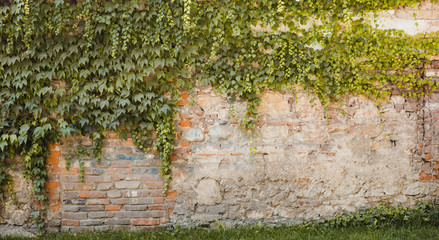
x,y
410,232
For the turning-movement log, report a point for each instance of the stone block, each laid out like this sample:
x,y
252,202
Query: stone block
x,y
194,134
274,104
208,191
220,132
211,104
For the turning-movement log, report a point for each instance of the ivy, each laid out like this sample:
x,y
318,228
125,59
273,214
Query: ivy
x,y
88,67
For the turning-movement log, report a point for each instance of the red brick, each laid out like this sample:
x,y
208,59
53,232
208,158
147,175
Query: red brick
x,y
157,207
144,222
424,176
70,222
51,187
153,185
55,208
53,146
182,102
185,95
185,123
170,212
171,195
113,207
237,154
53,158
92,194
427,157
55,169
159,200
185,144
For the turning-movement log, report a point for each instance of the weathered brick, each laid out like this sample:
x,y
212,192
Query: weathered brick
x,y
157,207
153,185
127,184
104,186
171,195
85,186
53,158
130,214
159,200
114,194
117,221
102,228
91,222
185,123
118,201
71,171
89,208
97,179
98,201
144,221
143,200
136,207
185,95
69,178
92,194
97,214
120,164
113,207
79,201
74,215
70,195
70,222
77,229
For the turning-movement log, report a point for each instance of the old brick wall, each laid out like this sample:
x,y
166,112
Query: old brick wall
x,y
123,190
309,163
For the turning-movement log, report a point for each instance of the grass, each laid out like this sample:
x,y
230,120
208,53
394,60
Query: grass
x,y
409,231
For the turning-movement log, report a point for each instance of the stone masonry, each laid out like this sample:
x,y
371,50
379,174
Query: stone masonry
x,y
309,163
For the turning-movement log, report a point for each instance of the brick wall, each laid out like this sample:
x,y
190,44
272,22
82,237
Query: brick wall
x,y
123,190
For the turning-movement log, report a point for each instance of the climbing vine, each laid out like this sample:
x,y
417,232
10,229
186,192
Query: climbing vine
x,y
86,67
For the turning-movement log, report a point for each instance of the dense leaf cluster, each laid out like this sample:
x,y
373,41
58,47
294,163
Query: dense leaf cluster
x,y
86,67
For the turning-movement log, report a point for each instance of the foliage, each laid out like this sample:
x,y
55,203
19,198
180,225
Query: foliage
x,y
383,215
85,68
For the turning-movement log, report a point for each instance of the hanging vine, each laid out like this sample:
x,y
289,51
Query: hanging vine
x,y
83,68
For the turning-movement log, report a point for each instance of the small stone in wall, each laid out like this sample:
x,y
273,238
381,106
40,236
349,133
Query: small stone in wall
x,y
194,135
211,104
208,191
220,132
273,104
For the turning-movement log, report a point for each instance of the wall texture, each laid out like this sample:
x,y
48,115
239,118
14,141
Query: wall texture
x,y
309,163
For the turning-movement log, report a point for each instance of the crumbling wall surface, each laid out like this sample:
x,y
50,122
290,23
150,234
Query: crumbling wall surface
x,y
309,163
17,203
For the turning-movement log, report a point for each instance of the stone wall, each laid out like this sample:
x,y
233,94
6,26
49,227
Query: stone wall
x,y
308,164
